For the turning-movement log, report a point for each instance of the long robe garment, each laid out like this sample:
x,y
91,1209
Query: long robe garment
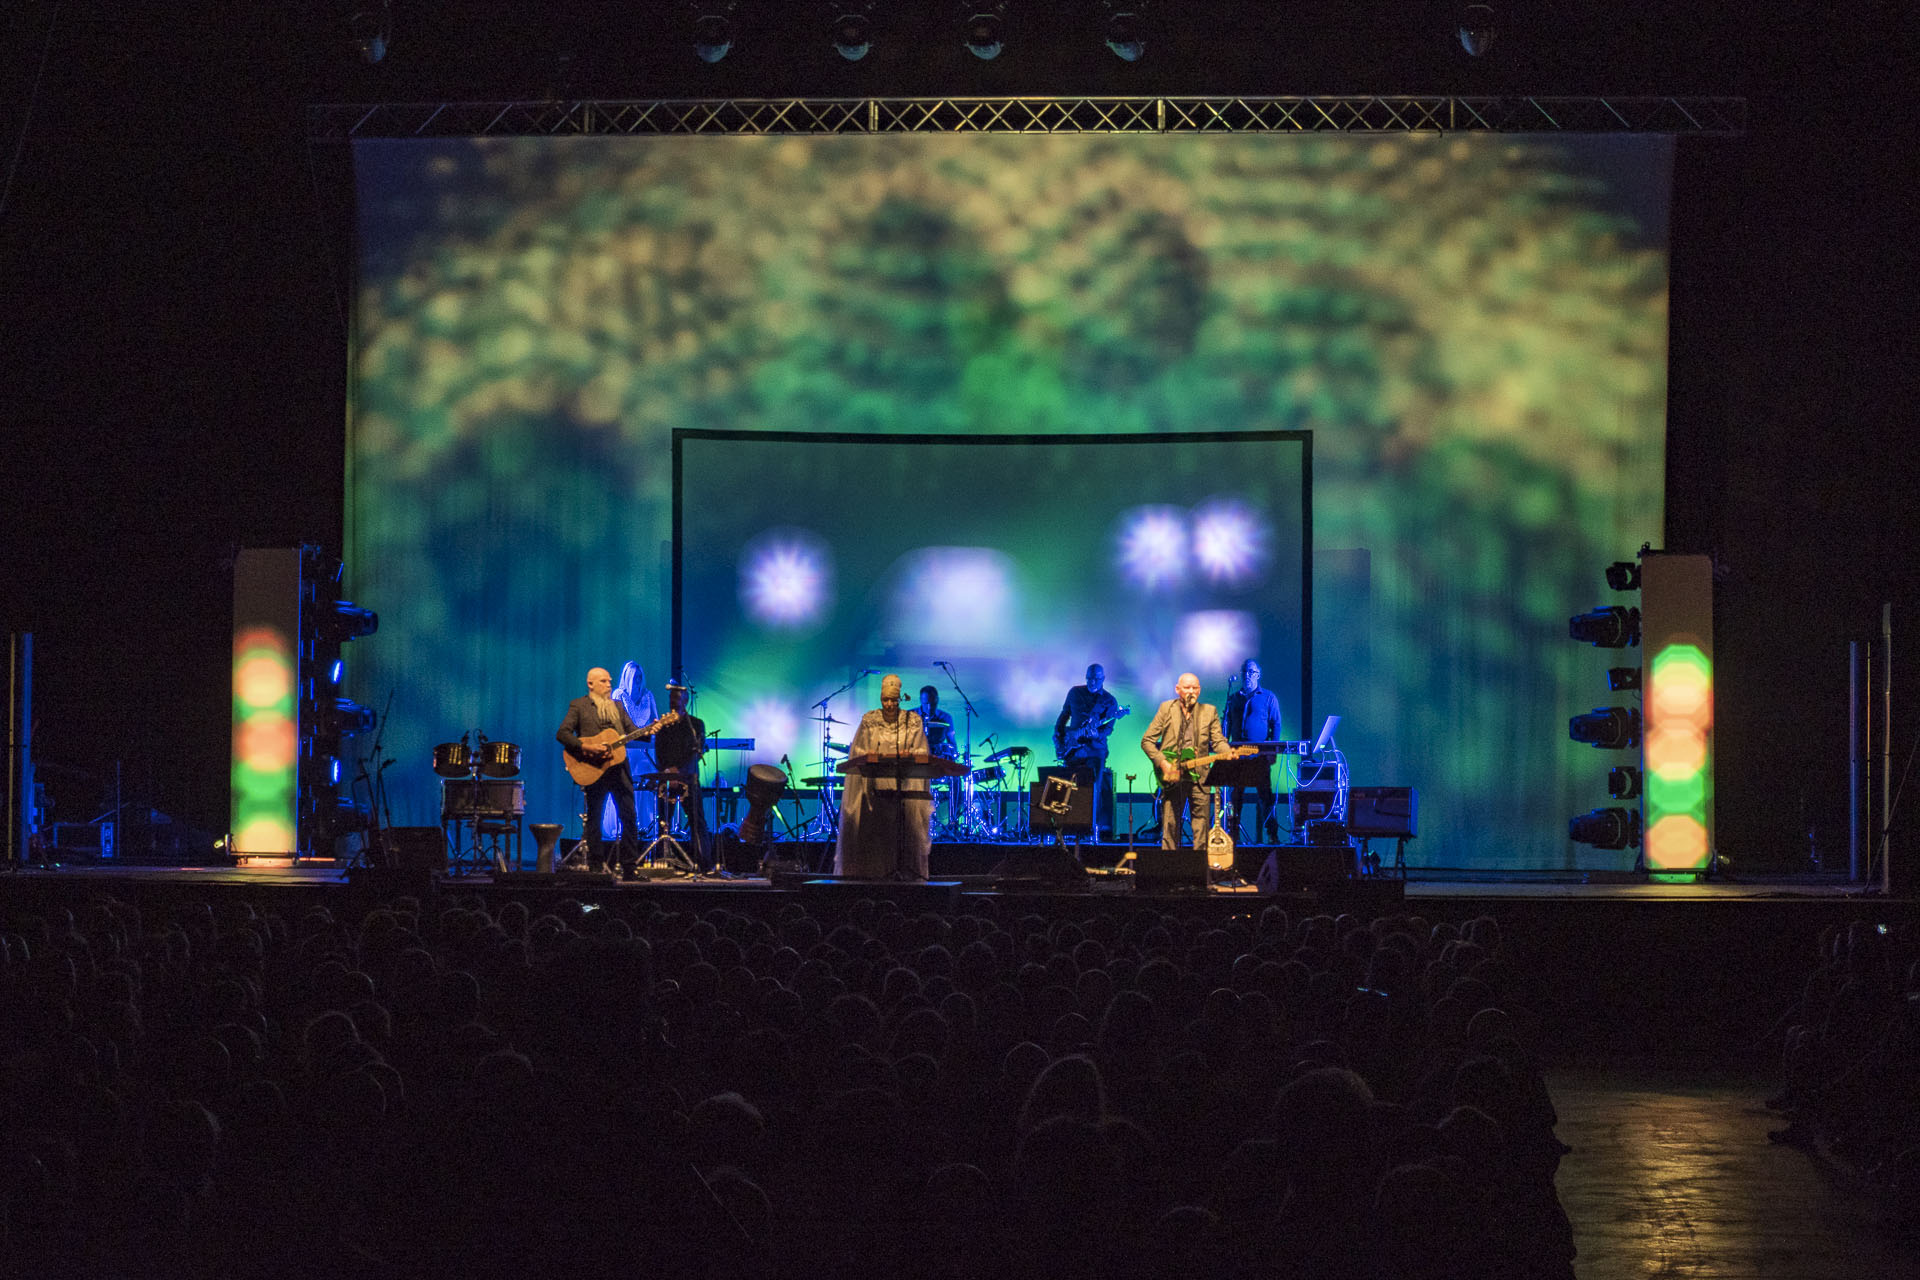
x,y
871,846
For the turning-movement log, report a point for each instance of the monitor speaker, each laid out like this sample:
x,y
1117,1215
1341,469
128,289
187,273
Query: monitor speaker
x,y
1293,868
1170,871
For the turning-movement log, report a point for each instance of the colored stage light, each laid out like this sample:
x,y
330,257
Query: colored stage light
x,y
265,741
337,671
1676,841
1612,627
786,578
1609,728
1612,828
1153,546
1679,756
1623,575
1623,782
1229,541
1216,639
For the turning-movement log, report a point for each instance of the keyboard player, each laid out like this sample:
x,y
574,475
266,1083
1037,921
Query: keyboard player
x,y
1253,716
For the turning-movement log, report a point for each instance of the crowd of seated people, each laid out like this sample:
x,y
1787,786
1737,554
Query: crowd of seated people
x,y
771,1089
1852,1059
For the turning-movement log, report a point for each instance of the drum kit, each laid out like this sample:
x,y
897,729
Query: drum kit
x,y
481,802
970,805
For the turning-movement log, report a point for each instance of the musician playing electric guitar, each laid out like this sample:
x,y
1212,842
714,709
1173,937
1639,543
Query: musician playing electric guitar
x,y
1080,733
595,734
1183,740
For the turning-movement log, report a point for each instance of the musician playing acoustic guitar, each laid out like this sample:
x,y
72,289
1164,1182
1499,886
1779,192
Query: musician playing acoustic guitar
x,y
599,718
1183,739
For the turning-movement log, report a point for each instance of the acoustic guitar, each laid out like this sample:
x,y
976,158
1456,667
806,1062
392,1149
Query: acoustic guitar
x,y
587,772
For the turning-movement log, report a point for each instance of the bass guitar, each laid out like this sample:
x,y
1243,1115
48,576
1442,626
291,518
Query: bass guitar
x,y
586,772
1089,735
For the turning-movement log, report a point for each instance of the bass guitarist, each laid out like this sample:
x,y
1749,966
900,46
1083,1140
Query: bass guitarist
x,y
598,716
1080,734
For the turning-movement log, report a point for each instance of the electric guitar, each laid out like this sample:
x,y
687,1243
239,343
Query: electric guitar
x,y
1189,762
587,772
1088,735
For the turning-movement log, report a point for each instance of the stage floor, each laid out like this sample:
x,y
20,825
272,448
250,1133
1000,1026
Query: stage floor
x,y
1417,885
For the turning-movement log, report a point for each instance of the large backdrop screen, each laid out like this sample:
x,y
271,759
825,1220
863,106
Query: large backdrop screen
x,y
993,568
1472,328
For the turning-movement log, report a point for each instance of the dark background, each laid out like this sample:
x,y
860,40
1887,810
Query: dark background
x,y
174,278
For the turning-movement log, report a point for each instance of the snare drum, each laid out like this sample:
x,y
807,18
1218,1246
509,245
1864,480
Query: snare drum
x,y
453,760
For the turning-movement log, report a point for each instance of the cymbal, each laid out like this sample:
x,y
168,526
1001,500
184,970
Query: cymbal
x,y
825,717
1010,753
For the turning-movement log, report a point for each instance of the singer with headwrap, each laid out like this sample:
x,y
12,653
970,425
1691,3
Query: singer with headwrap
x,y
885,824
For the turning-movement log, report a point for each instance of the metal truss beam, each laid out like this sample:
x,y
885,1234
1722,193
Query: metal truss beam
x,y
1713,117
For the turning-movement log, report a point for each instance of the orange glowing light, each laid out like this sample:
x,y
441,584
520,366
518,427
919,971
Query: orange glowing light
x,y
1675,752
1677,840
268,741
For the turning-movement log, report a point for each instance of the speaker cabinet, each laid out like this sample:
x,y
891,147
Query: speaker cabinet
x,y
417,849
1383,811
1170,871
1295,868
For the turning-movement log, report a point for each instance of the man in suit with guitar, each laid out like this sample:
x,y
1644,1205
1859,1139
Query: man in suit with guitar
x,y
598,716
1183,740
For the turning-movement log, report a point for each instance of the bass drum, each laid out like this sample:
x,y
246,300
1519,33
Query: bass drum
x,y
453,760
499,759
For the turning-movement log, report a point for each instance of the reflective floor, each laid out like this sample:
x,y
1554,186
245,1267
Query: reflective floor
x,y
1671,1175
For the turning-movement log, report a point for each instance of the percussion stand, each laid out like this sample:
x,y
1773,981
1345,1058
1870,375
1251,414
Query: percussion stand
x,y
665,848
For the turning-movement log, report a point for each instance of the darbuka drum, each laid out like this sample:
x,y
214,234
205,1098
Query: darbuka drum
x,y
765,785
453,760
499,759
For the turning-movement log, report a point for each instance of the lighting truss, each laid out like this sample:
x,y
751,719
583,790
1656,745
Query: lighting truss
x,y
1714,117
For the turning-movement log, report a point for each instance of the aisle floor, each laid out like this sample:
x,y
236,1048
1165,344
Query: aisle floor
x,y
1671,1175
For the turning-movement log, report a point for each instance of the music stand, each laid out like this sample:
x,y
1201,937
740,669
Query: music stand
x,y
902,769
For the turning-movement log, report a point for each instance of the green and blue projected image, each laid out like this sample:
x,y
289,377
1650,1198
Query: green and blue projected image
x,y
1472,329
997,566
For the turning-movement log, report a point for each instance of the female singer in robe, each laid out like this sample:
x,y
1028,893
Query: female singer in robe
x,y
873,811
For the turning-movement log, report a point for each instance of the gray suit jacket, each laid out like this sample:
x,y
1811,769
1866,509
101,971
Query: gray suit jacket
x,y
1165,724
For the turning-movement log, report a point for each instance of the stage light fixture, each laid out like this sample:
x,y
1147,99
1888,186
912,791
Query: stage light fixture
x,y
337,671
340,717
370,30
1476,29
1623,575
985,31
1623,782
1612,627
1126,32
1622,679
339,621
1608,728
714,33
1613,828
852,35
